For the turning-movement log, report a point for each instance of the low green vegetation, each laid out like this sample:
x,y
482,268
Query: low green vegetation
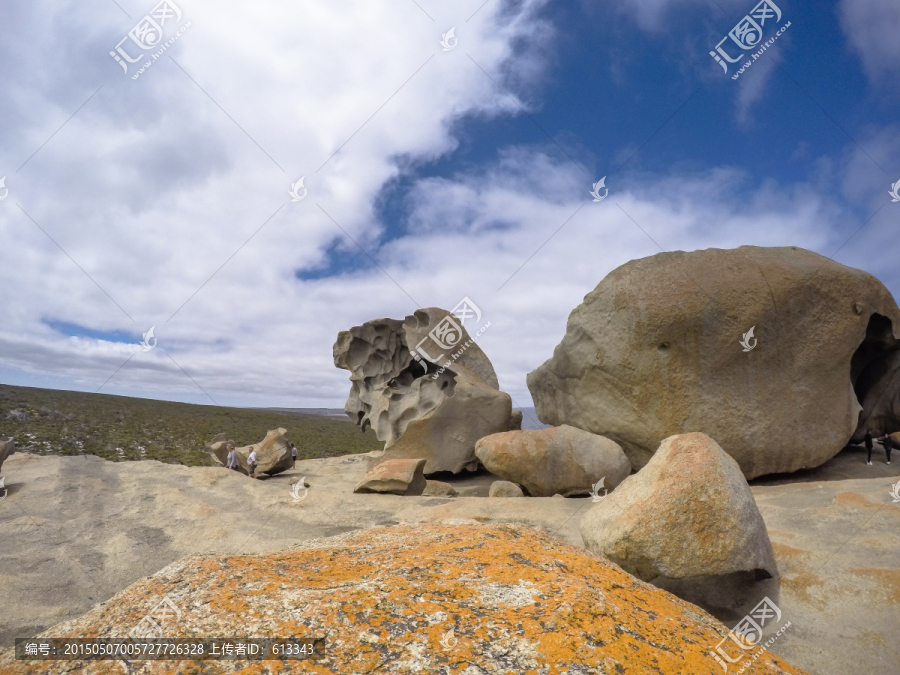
x,y
47,421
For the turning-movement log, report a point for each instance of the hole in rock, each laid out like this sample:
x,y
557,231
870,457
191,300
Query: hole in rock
x,y
870,373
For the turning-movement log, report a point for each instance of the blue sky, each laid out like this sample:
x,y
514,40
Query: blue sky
x,y
163,200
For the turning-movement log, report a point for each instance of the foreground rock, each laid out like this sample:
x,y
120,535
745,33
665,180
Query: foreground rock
x,y
654,350
395,476
561,460
273,453
7,448
503,488
688,513
134,518
534,605
424,397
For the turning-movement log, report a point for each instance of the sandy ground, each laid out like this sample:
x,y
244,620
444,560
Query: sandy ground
x,y
76,530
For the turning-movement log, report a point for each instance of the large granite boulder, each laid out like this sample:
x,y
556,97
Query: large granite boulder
x,y
656,349
273,453
688,513
560,460
424,386
7,448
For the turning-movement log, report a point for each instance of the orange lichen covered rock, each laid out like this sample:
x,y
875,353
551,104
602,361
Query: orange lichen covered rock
x,y
498,599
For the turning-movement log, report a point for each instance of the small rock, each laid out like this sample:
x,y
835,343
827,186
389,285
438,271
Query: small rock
x,y
515,421
503,488
436,488
395,476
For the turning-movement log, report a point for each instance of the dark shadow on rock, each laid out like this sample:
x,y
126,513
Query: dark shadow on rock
x,y
848,464
728,597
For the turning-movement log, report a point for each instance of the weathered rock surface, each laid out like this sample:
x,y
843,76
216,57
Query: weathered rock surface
x,y
395,476
436,488
688,513
515,420
560,460
533,605
273,453
434,406
504,488
654,350
7,448
134,518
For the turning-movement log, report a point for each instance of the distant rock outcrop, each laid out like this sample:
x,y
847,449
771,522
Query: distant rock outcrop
x,y
273,453
421,599
559,460
767,350
688,513
7,448
424,386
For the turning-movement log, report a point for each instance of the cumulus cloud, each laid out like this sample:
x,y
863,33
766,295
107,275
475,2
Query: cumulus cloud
x,y
163,202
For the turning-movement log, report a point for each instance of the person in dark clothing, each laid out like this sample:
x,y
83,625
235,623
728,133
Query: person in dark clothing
x,y
888,444
869,446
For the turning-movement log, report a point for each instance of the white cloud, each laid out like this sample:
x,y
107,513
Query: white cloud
x,y
872,27
151,188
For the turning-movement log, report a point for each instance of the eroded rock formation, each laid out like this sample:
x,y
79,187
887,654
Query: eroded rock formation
x,y
7,448
688,513
424,386
273,453
662,346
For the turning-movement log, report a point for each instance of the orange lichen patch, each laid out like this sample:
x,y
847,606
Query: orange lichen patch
x,y
852,499
423,599
888,579
801,584
783,552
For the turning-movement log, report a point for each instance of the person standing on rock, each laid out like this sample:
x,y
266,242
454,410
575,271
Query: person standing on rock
x,y
251,462
888,444
869,446
232,462
293,455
